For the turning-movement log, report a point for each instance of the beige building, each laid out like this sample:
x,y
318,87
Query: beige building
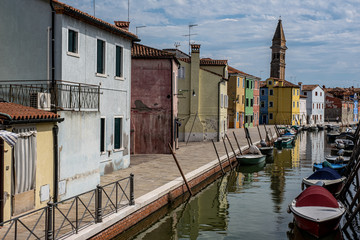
x,y
236,93
202,96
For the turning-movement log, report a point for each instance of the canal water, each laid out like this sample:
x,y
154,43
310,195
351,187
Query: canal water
x,y
249,203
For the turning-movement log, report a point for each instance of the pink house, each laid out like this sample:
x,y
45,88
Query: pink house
x,y
153,100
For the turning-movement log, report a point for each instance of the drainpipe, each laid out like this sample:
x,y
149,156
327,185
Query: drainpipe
x,y
1,180
219,124
172,105
53,55
56,165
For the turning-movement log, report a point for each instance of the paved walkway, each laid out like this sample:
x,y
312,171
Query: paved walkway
x,y
154,170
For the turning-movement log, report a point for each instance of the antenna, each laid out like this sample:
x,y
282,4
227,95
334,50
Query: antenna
x,y
177,45
94,7
128,10
138,28
189,35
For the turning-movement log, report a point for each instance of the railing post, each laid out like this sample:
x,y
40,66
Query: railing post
x,y
49,222
98,204
79,96
132,201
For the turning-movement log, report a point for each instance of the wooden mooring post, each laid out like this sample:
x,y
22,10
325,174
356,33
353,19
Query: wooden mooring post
x,y
181,172
227,153
237,143
259,133
217,154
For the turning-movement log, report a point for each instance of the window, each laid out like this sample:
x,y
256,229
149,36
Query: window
x,y
237,116
247,84
251,118
243,80
117,133
271,92
305,93
222,100
226,101
320,96
271,104
72,41
119,61
247,102
251,102
293,104
238,82
270,116
243,99
262,92
270,82
182,72
297,104
100,57
251,84
262,104
298,92
315,93
102,134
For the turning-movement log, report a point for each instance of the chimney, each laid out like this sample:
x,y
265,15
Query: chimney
x,y
194,81
300,84
122,24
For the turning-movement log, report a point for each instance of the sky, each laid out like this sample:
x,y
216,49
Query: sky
x,y
322,36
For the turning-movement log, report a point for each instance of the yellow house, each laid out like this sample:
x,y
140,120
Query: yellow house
x,y
27,174
202,96
283,102
236,93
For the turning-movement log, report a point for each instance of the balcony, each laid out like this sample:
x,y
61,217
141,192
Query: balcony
x,y
62,96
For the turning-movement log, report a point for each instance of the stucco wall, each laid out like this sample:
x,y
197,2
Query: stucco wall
x,y
151,119
44,166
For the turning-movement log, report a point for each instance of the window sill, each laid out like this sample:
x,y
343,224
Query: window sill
x,y
72,54
101,75
118,150
119,78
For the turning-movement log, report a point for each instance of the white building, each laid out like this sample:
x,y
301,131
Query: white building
x,y
87,78
303,114
315,103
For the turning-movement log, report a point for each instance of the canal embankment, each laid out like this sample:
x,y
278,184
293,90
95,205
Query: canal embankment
x,y
158,181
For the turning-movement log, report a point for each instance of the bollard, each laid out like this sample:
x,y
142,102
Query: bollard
x,y
132,201
49,222
98,204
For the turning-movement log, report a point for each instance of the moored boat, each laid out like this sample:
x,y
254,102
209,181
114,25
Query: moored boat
x,y
266,150
250,159
339,167
330,178
335,151
332,135
337,159
317,211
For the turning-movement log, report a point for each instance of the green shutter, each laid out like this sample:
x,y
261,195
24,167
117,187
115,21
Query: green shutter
x,y
118,61
100,56
117,133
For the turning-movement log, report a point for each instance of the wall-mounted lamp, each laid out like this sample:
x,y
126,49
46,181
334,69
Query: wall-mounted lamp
x,y
185,90
194,95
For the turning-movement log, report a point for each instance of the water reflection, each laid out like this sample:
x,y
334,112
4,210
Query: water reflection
x,y
249,203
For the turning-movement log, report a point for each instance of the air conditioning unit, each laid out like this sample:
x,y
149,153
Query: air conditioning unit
x,y
41,101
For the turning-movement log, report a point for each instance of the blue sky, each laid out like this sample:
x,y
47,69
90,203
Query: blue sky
x,y
323,36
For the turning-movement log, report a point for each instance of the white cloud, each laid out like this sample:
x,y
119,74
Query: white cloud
x,y
323,36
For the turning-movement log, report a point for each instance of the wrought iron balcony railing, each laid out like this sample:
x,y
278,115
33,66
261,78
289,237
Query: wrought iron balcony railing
x,y
62,96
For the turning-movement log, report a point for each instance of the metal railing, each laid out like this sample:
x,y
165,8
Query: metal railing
x,y
65,96
62,219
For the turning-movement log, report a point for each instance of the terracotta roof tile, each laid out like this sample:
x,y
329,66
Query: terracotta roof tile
x,y
142,51
212,62
234,71
20,112
303,96
62,8
309,87
187,60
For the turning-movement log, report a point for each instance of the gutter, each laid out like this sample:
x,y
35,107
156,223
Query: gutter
x,y
53,55
222,80
9,122
56,163
172,106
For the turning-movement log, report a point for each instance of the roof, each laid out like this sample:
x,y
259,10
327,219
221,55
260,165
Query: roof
x,y
142,51
212,62
206,70
303,96
21,112
178,52
286,83
263,84
279,32
62,8
309,87
232,70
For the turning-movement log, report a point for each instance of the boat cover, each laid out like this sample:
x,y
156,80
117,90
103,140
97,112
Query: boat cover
x,y
325,173
316,196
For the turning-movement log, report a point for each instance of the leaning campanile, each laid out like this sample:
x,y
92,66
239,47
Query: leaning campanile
x,y
278,48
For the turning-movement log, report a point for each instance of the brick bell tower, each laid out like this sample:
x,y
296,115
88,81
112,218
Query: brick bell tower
x,y
278,48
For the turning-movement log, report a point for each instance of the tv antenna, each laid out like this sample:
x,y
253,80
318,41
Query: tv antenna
x,y
190,34
177,45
